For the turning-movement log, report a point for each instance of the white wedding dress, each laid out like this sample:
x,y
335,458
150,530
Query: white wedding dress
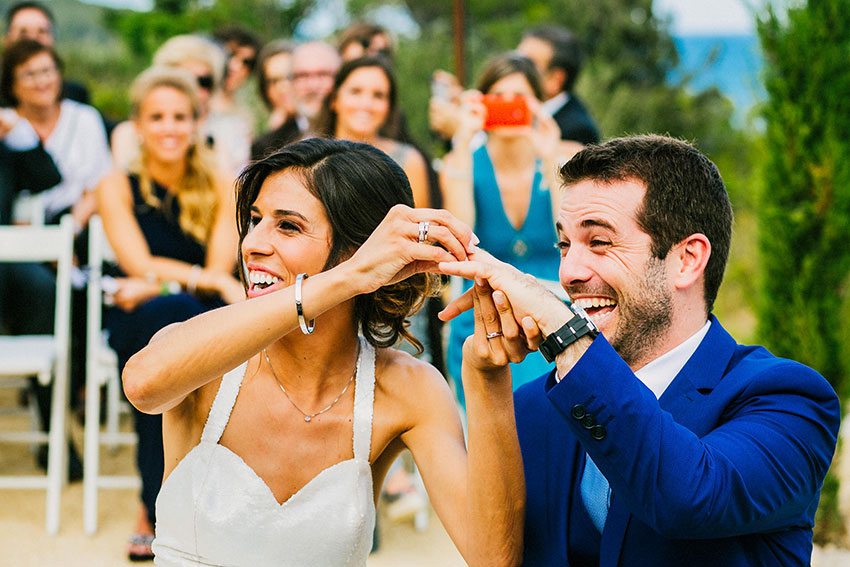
x,y
213,509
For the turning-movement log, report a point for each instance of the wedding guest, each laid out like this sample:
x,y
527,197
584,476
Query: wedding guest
x,y
233,98
557,54
362,106
314,66
274,72
169,219
228,135
502,188
34,20
364,38
68,141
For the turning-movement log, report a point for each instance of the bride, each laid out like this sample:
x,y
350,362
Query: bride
x,y
283,413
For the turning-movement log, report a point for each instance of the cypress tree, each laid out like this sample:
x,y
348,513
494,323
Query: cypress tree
x,y
803,205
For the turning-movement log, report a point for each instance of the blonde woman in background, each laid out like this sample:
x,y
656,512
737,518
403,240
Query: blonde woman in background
x,y
228,135
170,220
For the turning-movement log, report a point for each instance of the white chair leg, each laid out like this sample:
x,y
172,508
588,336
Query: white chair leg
x,y
35,418
113,407
91,464
57,458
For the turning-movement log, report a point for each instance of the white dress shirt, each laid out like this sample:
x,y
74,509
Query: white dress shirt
x,y
659,373
555,103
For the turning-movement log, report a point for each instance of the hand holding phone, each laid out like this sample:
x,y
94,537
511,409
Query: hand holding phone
x,y
504,111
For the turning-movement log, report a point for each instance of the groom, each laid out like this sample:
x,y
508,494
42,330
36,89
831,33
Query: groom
x,y
657,440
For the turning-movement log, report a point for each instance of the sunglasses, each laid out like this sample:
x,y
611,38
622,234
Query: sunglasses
x,y
205,82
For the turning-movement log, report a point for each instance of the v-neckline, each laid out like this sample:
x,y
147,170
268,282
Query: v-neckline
x,y
491,170
281,503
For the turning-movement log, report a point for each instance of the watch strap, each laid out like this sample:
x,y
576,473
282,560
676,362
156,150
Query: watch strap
x,y
574,329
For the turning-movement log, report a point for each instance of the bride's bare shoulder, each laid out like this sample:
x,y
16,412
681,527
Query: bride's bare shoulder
x,y
408,381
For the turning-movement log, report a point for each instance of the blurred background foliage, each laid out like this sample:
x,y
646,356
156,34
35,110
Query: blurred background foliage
x,y
804,201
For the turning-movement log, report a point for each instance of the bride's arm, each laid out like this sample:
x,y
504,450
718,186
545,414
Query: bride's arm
x,y
479,496
186,356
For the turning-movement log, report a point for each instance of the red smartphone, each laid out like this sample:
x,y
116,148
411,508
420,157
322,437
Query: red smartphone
x,y
503,111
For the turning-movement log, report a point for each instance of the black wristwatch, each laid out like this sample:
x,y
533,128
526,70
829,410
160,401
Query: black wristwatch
x,y
577,327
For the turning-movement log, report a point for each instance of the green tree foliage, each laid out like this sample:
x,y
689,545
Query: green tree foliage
x,y
144,32
804,202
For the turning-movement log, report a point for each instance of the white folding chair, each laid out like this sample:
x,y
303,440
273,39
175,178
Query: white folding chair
x,y
44,356
101,369
28,209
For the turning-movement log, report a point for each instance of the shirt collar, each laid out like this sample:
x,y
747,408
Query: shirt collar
x,y
658,374
555,103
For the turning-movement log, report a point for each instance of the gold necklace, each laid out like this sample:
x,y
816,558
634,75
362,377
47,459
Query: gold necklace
x,y
308,417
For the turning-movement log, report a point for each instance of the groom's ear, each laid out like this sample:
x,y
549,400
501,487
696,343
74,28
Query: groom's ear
x,y
689,258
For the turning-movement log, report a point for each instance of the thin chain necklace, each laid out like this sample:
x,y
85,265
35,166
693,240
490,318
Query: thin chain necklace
x,y
308,417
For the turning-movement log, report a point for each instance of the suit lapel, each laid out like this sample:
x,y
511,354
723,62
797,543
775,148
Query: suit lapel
x,y
699,376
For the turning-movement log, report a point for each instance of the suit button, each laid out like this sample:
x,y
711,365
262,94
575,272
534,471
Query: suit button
x,y
578,411
589,421
598,432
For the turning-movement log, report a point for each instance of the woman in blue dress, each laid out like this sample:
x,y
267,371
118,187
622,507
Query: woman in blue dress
x,y
502,189
170,221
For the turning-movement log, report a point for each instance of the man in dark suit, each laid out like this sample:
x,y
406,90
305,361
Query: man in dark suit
x,y
660,441
557,55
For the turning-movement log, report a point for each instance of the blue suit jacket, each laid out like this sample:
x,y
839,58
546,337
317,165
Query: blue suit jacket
x,y
724,469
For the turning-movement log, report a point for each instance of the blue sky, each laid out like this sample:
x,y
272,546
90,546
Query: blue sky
x,y
689,17
702,17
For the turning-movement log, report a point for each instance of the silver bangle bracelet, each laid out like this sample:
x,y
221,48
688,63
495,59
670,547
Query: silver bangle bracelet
x,y
306,328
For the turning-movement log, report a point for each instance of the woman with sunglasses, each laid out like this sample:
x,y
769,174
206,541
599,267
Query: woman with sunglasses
x,y
169,218
228,135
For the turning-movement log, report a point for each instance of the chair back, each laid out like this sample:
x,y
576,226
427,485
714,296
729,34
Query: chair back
x,y
47,243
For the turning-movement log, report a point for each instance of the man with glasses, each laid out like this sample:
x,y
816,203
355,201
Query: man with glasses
x,y
314,66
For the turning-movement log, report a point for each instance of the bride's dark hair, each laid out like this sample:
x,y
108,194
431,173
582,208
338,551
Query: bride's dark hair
x,y
357,184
